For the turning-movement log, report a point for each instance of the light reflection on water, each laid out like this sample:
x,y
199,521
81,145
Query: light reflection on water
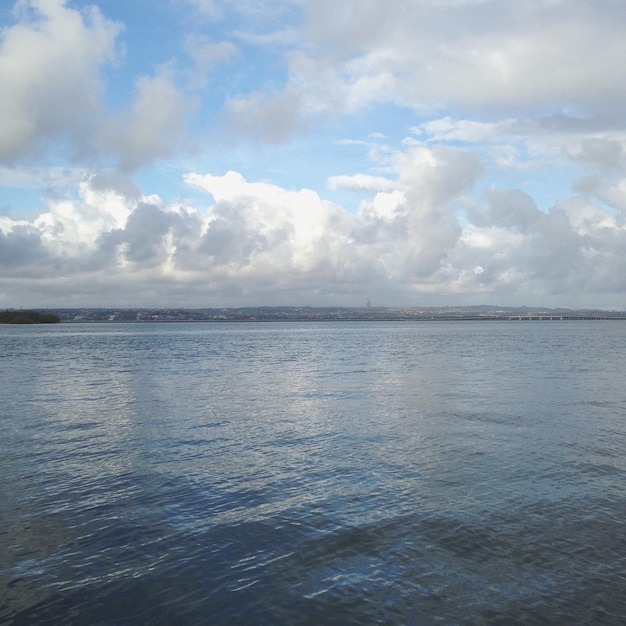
x,y
325,473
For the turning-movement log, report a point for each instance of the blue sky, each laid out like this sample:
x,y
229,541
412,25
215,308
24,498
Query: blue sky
x,y
201,153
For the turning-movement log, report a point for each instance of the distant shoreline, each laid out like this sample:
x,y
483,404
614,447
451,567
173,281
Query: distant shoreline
x,y
331,314
512,318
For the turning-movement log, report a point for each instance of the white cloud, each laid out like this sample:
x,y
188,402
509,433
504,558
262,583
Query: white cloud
x,y
511,209
492,54
612,195
50,62
500,100
537,66
206,54
54,95
470,131
604,153
37,177
260,240
155,125
281,231
268,117
256,241
361,182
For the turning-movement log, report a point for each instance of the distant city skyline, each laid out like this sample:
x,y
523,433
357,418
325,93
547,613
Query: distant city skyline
x,y
340,314
211,153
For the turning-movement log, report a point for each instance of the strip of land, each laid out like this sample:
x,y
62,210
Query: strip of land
x,y
321,314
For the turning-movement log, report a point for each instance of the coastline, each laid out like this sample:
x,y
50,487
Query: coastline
x,y
331,314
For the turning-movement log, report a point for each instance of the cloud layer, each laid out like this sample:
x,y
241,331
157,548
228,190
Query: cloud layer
x,y
49,71
422,241
507,185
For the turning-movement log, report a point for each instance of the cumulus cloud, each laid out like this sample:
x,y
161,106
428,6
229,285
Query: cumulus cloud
x,y
262,228
154,127
604,153
612,195
492,92
206,54
54,95
361,182
511,209
269,117
485,53
21,247
421,237
50,62
545,70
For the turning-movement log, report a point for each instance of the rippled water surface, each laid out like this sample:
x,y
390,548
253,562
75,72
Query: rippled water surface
x,y
364,473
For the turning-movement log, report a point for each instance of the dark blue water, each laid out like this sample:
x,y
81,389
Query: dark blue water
x,y
356,473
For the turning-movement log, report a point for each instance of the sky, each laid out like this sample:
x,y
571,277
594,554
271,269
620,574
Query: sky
x,y
214,153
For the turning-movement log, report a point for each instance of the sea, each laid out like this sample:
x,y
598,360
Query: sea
x,y
429,472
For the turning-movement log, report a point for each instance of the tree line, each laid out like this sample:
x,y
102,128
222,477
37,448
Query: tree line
x,y
28,317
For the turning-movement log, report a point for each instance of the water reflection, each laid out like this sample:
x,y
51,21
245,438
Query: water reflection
x,y
332,472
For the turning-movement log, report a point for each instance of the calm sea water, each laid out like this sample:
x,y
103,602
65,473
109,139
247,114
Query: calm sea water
x,y
356,473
